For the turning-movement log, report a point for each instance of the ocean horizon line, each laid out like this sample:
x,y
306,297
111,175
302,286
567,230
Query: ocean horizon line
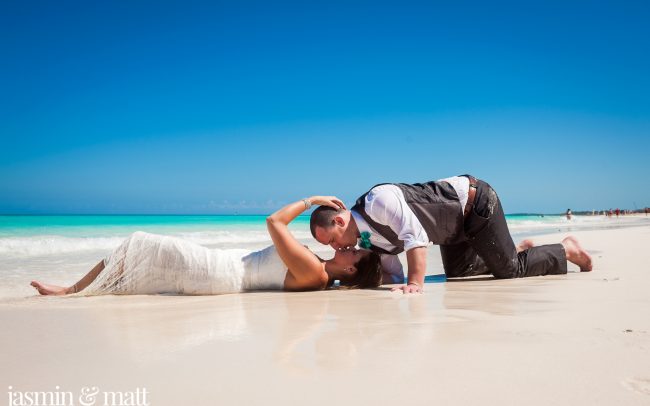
x,y
585,212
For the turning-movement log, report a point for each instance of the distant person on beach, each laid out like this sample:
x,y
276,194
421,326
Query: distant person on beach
x,y
646,211
569,214
153,264
461,214
618,212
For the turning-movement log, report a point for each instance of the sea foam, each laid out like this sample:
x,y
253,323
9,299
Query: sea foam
x,y
39,245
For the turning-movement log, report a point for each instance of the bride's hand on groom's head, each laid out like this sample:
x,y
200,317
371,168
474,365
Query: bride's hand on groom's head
x,y
331,201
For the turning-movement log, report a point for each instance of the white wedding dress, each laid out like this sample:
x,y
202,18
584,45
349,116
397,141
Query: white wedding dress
x,y
152,264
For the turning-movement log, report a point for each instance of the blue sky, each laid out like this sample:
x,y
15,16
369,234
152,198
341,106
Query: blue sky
x,y
239,107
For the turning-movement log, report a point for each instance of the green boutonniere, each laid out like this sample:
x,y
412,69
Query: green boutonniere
x,y
364,240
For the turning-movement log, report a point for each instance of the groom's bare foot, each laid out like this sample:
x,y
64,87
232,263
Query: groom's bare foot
x,y
524,245
577,255
45,289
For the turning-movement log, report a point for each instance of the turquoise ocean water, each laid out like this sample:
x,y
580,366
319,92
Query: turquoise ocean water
x,y
25,236
102,225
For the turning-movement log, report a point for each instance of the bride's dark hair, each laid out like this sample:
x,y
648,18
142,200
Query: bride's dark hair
x,y
368,275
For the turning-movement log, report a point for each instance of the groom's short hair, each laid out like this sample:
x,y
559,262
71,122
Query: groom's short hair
x,y
322,217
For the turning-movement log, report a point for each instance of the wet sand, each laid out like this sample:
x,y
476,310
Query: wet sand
x,y
580,338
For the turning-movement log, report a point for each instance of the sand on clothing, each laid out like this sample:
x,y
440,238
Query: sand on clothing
x,y
575,339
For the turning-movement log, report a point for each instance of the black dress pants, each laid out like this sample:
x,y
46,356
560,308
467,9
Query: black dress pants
x,y
488,247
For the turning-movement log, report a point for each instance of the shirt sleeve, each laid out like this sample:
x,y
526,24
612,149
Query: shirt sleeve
x,y
385,204
393,272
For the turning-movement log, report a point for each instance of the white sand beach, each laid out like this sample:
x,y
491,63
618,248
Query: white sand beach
x,y
575,339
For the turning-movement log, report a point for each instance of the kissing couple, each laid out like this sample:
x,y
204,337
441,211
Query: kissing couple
x,y
461,214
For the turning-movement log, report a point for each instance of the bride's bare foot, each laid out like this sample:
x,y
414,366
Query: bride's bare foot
x,y
45,289
577,255
524,245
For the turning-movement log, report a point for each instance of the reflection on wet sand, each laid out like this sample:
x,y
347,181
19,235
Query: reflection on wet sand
x,y
496,297
327,330
332,333
300,332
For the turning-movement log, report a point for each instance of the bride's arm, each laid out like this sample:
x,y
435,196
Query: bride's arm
x,y
305,270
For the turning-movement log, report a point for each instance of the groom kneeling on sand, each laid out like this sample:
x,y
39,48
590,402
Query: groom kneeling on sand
x,y
461,214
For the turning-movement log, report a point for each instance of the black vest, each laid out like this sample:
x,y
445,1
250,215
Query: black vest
x,y
436,206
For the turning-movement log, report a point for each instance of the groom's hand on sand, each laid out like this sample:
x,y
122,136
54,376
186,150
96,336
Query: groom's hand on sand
x,y
410,288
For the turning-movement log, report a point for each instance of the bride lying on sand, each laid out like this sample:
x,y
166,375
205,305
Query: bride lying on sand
x,y
153,264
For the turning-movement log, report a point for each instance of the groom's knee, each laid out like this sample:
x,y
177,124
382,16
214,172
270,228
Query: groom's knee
x,y
507,271
503,275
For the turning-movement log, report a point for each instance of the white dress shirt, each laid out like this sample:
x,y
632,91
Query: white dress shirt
x,y
386,204
461,186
